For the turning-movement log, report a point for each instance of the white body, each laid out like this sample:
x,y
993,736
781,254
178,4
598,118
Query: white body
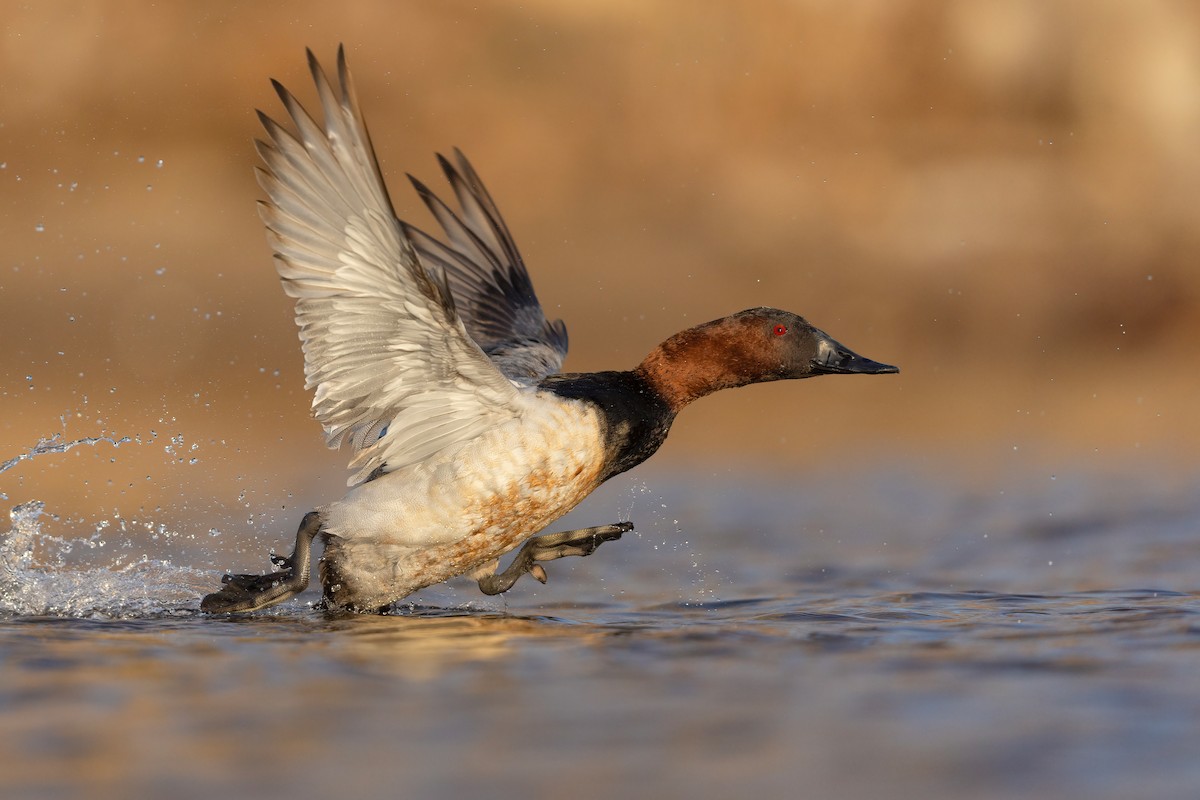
x,y
463,508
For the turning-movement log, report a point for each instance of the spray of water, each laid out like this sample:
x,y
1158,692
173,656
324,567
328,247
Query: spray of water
x,y
57,444
39,575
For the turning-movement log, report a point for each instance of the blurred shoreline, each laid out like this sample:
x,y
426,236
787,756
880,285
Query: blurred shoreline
x,y
998,197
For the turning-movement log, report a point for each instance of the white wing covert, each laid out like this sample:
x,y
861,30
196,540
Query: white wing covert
x,y
394,370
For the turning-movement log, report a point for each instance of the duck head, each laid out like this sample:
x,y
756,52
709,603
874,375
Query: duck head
x,y
752,346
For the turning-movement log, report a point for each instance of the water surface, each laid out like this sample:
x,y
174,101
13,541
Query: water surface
x,y
878,634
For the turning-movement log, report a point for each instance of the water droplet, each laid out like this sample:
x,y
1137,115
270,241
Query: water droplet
x,y
40,228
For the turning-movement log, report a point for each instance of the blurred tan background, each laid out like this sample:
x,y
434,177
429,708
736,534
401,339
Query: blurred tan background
x,y
1000,196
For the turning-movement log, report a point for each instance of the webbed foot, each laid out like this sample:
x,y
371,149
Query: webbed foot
x,y
252,592
548,547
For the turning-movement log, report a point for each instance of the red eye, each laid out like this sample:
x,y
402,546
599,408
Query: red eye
x,y
780,330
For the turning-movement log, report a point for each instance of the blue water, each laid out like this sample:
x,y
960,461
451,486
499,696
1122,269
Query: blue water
x,y
866,633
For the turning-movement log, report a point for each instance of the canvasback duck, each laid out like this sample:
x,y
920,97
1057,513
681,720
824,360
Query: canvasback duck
x,y
435,363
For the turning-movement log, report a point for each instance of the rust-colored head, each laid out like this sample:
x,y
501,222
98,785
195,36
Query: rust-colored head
x,y
752,346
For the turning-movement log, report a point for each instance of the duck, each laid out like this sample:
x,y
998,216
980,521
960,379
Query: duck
x,y
434,363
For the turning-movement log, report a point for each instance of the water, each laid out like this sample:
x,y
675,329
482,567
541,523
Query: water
x,y
879,632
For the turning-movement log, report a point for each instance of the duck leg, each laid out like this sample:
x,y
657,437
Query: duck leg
x,y
252,592
548,547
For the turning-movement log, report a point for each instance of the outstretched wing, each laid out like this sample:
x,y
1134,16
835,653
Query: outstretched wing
x,y
488,278
395,372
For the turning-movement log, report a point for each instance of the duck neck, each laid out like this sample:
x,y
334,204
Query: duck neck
x,y
693,363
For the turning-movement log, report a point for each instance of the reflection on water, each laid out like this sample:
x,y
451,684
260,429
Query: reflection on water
x,y
919,641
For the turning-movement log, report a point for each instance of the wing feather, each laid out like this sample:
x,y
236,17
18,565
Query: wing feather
x,y
394,371
487,277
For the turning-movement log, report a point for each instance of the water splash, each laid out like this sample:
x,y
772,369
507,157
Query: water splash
x,y
55,444
40,574
37,579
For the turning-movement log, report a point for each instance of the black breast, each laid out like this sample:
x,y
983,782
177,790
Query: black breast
x,y
636,418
